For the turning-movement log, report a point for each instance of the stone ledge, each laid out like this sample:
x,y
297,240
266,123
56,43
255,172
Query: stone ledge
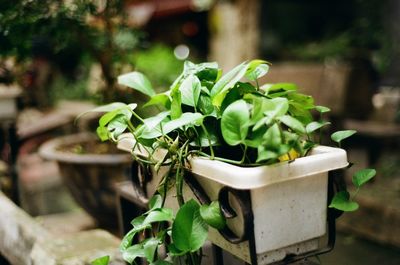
x,y
24,241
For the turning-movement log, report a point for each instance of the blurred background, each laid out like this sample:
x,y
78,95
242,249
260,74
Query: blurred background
x,y
59,58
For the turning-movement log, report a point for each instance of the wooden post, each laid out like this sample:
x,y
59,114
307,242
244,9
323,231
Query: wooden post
x,y
234,28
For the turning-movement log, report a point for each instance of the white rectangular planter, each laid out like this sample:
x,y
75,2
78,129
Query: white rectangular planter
x,y
288,201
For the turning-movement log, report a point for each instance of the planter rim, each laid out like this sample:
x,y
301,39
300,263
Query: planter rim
x,y
321,159
49,151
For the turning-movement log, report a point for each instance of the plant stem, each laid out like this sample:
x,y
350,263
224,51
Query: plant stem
x,y
209,140
244,153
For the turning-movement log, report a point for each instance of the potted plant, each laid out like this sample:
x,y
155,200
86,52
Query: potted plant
x,y
247,152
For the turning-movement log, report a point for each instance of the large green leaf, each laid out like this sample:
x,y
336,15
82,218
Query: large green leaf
x,y
272,88
212,215
227,81
341,135
189,231
363,176
101,261
190,90
137,81
341,201
104,108
235,122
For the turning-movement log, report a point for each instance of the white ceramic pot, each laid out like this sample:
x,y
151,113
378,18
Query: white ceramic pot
x,y
288,202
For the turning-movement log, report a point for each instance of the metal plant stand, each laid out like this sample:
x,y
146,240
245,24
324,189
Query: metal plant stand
x,y
133,201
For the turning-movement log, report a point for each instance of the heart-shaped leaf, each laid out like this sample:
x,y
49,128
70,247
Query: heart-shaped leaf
x,y
212,215
363,176
137,81
190,90
257,69
272,138
341,135
341,201
189,231
235,122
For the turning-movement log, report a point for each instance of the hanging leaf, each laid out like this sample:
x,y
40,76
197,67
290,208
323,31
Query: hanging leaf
x,y
189,231
137,81
150,247
212,215
363,176
155,202
341,135
341,201
133,252
235,122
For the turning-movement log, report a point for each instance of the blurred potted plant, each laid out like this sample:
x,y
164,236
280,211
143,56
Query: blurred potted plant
x,y
95,28
247,152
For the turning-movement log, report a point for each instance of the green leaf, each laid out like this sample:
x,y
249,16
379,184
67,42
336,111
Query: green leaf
x,y
137,81
306,101
159,215
212,215
322,109
102,132
293,124
341,135
155,121
101,261
155,202
176,109
104,108
190,90
159,99
189,231
133,252
263,154
257,69
273,137
315,125
363,176
187,118
150,247
255,138
227,81
235,122
205,105
341,201
272,88
117,126
174,251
